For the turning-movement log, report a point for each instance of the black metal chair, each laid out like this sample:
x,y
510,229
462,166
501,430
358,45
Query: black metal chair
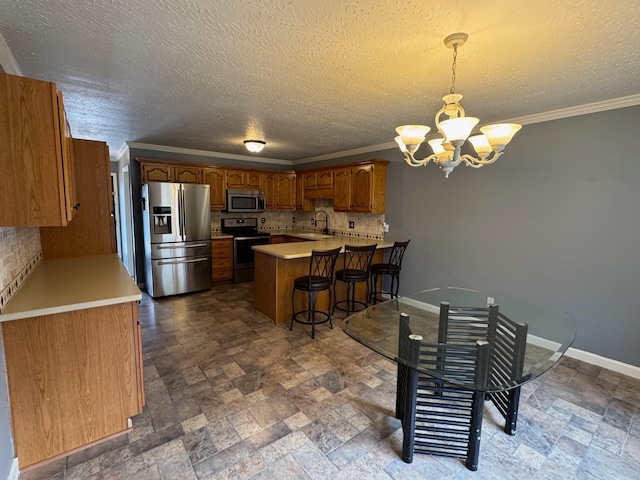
x,y
357,261
479,347
321,266
391,268
508,340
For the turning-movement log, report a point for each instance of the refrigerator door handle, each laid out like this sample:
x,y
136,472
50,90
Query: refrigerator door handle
x,y
180,209
184,214
179,262
195,245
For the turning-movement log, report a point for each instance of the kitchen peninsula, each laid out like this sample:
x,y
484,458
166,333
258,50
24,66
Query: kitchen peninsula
x,y
73,355
277,266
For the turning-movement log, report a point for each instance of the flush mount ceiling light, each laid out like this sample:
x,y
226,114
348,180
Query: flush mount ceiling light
x,y
455,130
254,146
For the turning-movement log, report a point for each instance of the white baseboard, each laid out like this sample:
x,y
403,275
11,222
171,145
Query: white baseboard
x,y
14,473
609,364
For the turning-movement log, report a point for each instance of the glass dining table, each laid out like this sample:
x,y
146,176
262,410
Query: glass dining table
x,y
455,348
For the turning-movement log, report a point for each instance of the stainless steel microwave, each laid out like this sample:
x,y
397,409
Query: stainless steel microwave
x,y
241,201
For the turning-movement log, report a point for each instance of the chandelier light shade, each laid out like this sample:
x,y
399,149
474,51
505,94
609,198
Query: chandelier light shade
x,y
455,130
254,146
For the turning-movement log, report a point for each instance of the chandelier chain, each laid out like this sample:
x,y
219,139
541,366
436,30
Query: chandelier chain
x,y
453,69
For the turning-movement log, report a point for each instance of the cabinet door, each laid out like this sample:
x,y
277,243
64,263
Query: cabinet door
x,y
216,178
72,379
36,180
188,174
342,189
286,191
254,180
325,179
362,189
299,191
310,180
68,162
269,185
236,179
157,173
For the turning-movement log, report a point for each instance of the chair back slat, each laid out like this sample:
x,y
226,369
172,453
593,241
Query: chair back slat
x,y
358,257
323,262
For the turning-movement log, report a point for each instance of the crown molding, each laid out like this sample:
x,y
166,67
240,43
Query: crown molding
x,y
7,60
347,153
595,107
206,153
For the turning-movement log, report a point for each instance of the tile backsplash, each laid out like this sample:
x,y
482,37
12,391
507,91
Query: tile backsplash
x,y
20,252
365,225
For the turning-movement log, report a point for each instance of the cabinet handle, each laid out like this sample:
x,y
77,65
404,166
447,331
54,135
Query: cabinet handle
x,y
76,206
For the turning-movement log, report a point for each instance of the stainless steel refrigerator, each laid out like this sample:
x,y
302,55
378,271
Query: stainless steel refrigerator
x,y
177,238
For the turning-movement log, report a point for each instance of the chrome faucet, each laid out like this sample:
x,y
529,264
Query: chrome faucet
x,y
325,230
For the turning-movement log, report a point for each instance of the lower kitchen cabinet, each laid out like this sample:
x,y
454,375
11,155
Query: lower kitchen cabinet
x,y
222,259
74,378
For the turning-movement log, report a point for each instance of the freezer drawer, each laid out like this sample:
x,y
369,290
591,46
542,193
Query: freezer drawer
x,y
172,276
180,249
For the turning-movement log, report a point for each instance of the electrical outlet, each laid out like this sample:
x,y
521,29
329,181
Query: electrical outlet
x,y
313,222
262,220
385,227
293,219
490,300
352,224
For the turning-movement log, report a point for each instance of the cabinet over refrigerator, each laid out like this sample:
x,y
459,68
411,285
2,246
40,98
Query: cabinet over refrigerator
x,y
177,238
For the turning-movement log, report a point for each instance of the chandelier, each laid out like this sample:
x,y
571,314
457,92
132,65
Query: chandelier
x,y
455,130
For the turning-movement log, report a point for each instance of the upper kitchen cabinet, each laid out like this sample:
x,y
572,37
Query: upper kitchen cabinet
x,y
319,184
342,189
188,174
244,179
236,179
92,231
157,172
361,187
280,191
216,178
254,180
37,186
286,191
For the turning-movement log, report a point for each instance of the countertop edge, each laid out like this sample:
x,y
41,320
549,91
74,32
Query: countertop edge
x,y
6,317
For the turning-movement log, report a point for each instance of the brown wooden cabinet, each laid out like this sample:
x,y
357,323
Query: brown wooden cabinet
x,y
74,378
216,178
279,191
153,172
37,185
92,231
342,189
270,186
254,180
361,188
222,259
187,174
286,191
236,179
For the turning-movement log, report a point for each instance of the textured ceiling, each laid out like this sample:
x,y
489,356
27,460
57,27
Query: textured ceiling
x,y
314,77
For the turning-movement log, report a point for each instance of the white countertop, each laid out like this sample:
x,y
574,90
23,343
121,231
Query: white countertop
x,y
76,283
303,249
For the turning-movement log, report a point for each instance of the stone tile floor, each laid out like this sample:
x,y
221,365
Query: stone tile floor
x,y
232,396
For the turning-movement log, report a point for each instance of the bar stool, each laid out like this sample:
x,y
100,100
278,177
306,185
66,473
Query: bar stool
x,y
391,268
321,266
357,260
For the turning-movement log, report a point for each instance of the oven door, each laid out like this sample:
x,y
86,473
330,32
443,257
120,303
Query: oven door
x,y
243,257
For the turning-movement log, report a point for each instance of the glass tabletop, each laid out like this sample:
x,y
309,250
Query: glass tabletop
x,y
542,334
